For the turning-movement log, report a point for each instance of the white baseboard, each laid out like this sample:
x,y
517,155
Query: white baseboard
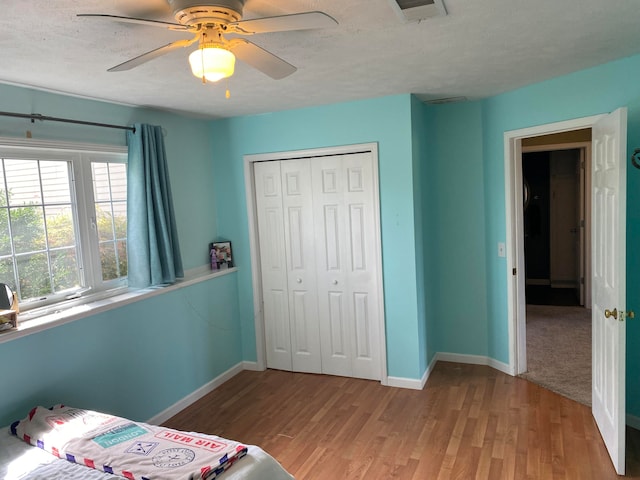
x,y
253,366
197,395
412,383
416,384
475,360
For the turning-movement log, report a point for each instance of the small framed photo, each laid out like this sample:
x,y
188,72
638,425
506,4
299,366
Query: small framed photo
x,y
221,255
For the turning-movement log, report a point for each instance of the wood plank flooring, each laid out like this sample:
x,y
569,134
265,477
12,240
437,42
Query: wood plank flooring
x,y
470,422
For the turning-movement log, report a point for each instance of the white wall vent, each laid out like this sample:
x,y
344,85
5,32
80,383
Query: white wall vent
x,y
414,10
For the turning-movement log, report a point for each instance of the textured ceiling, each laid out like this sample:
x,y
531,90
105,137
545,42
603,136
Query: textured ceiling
x,y
481,48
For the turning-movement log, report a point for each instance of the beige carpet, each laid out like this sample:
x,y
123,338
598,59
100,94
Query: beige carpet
x,y
559,350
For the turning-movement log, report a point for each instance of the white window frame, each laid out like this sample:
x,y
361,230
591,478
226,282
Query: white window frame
x,y
81,156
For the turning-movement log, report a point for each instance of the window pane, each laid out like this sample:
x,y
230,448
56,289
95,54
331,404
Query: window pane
x,y
55,182
23,182
27,224
105,222
110,195
64,267
5,236
118,176
60,229
41,227
122,257
120,219
33,274
7,273
108,261
101,188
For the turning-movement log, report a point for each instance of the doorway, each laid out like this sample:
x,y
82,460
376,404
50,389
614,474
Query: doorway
x,y
558,322
571,134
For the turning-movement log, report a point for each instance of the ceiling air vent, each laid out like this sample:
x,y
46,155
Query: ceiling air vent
x,y
414,10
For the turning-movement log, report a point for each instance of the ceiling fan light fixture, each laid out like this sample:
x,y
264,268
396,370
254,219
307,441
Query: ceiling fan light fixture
x,y
212,63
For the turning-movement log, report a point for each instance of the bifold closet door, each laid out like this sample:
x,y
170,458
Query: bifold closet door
x,y
347,276
286,238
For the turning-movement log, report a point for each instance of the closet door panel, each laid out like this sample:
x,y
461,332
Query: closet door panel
x,y
300,263
337,348
336,336
358,200
275,288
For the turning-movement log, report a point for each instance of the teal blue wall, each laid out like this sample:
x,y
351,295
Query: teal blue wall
x,y
430,201
139,359
458,229
419,145
386,121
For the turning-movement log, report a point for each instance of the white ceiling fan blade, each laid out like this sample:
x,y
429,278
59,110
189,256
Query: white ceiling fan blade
x,y
145,57
260,59
283,23
140,21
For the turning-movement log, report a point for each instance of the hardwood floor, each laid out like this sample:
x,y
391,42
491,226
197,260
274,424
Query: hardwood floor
x,y
470,422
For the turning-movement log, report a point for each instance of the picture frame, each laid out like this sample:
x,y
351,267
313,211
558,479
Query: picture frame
x,y
221,255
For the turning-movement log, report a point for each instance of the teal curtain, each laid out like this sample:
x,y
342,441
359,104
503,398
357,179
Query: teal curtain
x,y
153,250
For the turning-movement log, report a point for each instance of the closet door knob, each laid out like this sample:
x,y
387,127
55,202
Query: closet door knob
x,y
299,280
335,282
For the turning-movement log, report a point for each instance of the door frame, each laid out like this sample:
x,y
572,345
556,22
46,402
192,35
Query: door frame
x,y
516,305
249,185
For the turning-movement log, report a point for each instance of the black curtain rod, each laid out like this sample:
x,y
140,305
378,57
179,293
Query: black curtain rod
x,y
36,116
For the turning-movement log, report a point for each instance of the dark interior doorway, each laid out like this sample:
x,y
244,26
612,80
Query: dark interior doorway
x,y
551,227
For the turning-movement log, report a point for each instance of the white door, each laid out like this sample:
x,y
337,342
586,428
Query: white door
x,y
285,222
346,250
608,315
275,297
300,263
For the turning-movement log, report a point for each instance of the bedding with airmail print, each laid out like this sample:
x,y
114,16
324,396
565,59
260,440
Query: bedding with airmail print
x,y
137,451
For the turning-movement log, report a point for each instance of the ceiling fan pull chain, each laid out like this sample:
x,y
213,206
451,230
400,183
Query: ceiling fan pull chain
x,y
204,80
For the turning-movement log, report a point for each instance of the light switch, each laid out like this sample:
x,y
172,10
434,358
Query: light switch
x,y
501,249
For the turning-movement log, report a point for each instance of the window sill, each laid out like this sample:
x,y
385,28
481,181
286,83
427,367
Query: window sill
x,y
120,298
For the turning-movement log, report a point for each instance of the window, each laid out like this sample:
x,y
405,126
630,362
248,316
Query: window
x,y
63,220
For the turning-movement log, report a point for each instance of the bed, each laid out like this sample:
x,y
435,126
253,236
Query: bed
x,y
20,460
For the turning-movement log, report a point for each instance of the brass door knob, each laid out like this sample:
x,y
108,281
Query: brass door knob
x,y
609,313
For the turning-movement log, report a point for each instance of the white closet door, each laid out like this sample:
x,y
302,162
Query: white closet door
x,y
346,270
273,267
300,262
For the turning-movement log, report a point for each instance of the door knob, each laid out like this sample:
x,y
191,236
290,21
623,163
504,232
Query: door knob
x,y
299,280
335,282
609,313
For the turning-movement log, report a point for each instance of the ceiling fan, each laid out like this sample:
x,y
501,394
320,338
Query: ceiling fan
x,y
210,21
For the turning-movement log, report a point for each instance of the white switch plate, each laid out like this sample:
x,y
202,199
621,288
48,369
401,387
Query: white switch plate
x,y
501,249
